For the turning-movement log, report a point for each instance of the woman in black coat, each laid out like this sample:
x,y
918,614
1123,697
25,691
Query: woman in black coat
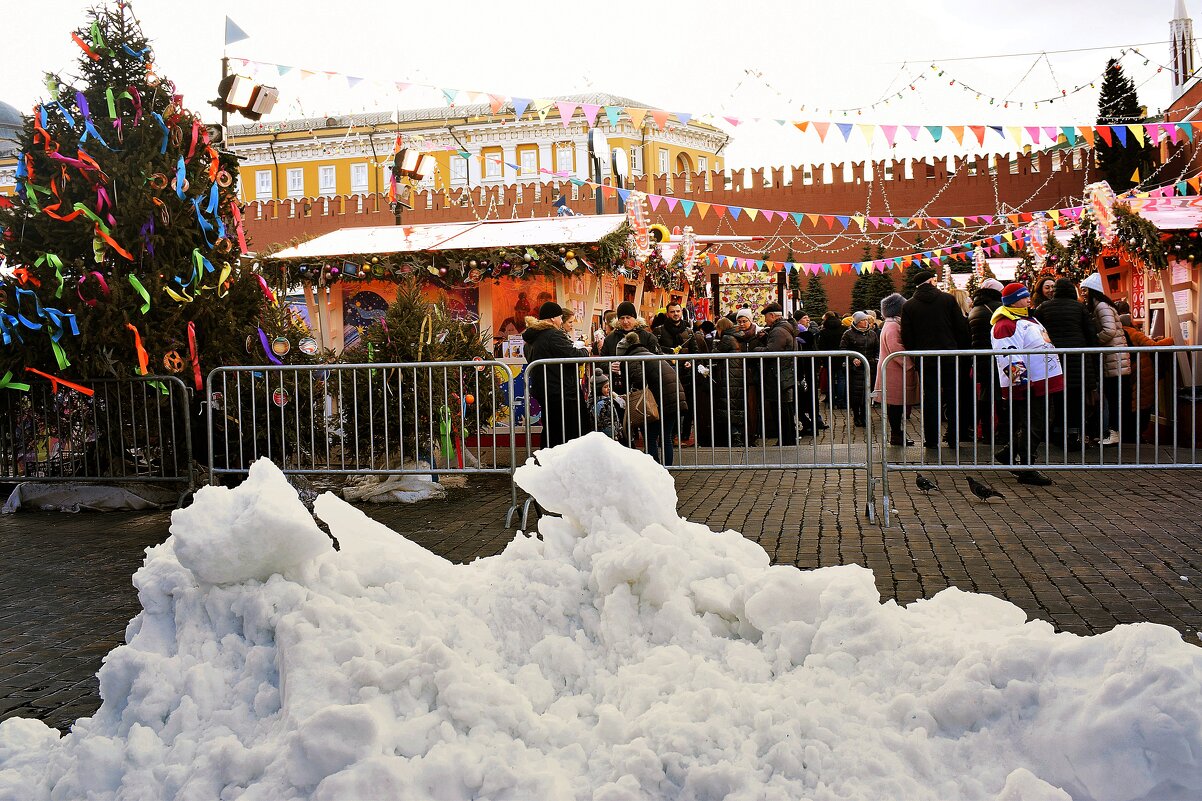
x,y
1070,325
661,379
555,386
729,389
830,337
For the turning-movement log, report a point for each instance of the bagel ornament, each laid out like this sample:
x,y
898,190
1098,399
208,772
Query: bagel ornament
x,y
173,362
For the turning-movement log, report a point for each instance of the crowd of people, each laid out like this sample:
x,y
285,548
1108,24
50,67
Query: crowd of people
x,y
1017,398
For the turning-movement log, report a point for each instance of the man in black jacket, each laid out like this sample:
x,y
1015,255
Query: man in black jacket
x,y
932,320
989,400
555,386
780,412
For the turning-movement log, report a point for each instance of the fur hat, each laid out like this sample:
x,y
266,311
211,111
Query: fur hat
x,y
1014,292
627,309
891,306
549,309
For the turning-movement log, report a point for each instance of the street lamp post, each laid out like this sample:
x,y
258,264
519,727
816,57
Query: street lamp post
x,y
412,166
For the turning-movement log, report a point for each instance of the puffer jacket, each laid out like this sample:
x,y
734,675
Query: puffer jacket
x,y
984,304
1110,335
668,392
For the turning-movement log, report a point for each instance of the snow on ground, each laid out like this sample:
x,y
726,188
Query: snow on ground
x,y
622,654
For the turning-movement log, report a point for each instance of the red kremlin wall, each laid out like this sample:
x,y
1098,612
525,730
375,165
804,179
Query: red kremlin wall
x,y
1024,182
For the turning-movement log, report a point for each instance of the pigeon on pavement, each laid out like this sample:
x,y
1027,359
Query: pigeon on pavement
x,y
983,491
925,484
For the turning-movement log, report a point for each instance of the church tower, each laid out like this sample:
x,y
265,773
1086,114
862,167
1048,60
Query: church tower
x,y
1181,48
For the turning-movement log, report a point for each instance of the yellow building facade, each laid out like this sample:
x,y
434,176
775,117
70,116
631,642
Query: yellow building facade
x,y
472,145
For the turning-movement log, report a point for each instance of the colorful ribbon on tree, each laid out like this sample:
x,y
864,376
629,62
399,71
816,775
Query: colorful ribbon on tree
x,y
267,347
57,263
143,356
55,381
141,290
237,215
197,379
104,288
89,127
8,381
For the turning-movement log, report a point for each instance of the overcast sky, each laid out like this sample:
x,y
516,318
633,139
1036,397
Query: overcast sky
x,y
687,56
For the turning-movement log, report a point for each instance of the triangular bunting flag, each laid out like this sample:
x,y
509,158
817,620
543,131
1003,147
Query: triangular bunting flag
x,y
496,103
661,118
829,220
352,81
843,219
979,132
844,128
653,201
868,131
613,113
590,113
1138,130
1087,133
671,202
450,95
683,117
687,205
233,33
719,209
890,132
936,131
813,218
1016,133
735,211
566,111
1121,132
913,131
1033,132
623,194
520,104
1104,131
751,213
1135,175
1070,134
636,116
732,120
702,208
1051,132
958,132
821,128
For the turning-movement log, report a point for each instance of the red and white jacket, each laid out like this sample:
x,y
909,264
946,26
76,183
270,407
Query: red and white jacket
x,y
1021,374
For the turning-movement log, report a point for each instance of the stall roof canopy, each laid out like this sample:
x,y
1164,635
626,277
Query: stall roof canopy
x,y
1173,217
380,240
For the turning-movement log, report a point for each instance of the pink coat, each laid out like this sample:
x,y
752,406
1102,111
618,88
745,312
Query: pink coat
x,y
899,379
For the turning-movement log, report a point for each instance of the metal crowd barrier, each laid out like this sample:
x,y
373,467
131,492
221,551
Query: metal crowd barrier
x,y
958,420
763,411
415,418
130,429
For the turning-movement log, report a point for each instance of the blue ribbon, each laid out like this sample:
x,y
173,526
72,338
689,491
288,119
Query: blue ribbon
x,y
162,127
9,330
138,54
89,127
36,304
58,322
179,178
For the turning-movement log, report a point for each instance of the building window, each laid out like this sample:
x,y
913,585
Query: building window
x,y
703,164
636,160
458,170
564,159
263,185
296,182
492,166
325,180
529,164
663,161
358,177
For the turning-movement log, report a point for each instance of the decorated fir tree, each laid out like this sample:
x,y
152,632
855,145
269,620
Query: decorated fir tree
x,y
881,285
462,400
815,297
1122,156
124,233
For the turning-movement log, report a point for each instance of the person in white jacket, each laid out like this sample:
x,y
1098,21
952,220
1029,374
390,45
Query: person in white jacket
x,y
1031,382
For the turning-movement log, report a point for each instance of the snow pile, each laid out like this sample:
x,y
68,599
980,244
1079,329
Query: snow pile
x,y
627,654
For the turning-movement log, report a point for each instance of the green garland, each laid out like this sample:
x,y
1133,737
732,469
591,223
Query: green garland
x,y
610,254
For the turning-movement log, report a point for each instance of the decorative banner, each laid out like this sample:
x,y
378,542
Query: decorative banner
x,y
1038,241
1099,199
636,216
978,262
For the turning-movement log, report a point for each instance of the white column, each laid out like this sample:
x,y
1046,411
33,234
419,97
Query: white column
x,y
582,168
509,155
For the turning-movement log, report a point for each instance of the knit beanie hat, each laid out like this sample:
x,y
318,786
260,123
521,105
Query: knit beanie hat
x,y
992,283
549,309
1014,292
600,379
745,313
627,309
922,276
859,317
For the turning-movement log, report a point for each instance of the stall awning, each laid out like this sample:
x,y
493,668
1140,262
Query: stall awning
x,y
380,240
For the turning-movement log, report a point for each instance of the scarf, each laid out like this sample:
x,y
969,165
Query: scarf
x,y
1009,313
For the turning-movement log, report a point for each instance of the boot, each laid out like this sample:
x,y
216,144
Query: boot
x,y
1002,456
1032,477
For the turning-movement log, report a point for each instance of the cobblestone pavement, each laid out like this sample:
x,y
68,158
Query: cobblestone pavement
x,y
1093,551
